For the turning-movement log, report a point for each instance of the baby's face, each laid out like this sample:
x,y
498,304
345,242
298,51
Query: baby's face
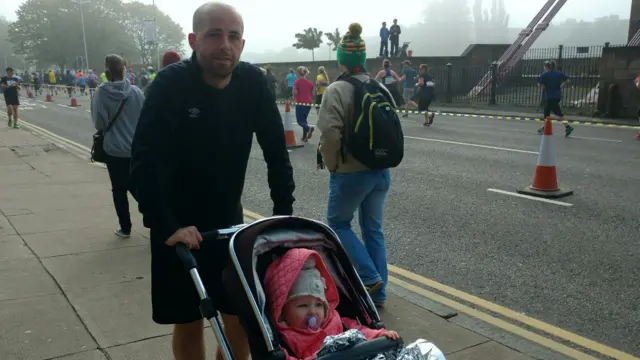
x,y
296,311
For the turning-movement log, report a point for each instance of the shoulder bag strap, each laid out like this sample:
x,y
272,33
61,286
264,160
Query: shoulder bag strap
x,y
115,117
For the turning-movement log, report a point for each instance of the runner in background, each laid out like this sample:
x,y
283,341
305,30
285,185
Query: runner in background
x,y
272,82
131,76
322,82
52,82
82,83
389,78
553,80
303,96
70,81
10,85
92,81
409,78
291,78
426,93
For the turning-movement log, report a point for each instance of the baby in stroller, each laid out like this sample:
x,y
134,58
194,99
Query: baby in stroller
x,y
302,298
298,296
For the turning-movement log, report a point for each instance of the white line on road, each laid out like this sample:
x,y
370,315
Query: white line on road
x,y
597,139
530,197
473,145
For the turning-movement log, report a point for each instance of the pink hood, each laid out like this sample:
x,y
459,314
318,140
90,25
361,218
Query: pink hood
x,y
278,281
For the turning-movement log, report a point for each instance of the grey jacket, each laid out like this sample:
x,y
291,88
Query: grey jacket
x,y
104,105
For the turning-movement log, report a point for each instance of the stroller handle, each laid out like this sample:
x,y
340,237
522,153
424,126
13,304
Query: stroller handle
x,y
365,350
187,259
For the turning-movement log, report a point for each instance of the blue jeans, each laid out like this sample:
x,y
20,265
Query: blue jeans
x,y
365,191
302,112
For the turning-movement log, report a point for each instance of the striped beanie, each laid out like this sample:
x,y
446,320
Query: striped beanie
x,y
352,51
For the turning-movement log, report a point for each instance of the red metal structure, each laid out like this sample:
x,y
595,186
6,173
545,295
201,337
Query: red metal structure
x,y
523,43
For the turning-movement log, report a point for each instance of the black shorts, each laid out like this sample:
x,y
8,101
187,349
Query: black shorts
x,y
318,101
425,97
552,106
174,297
11,99
289,92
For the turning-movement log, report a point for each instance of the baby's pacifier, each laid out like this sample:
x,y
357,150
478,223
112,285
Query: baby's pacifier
x,y
312,323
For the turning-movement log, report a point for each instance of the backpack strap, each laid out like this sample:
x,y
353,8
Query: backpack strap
x,y
357,84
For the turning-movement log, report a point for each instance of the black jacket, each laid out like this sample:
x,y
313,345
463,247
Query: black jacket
x,y
191,148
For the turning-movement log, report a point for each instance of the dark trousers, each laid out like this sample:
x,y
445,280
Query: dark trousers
x,y
384,47
118,169
394,45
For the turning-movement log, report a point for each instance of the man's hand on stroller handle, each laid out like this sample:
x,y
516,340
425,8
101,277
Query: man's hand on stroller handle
x,y
191,237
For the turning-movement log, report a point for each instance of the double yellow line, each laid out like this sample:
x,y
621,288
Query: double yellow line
x,y
495,308
420,284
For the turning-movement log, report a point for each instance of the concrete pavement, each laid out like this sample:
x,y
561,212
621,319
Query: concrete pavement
x,y
571,266
71,289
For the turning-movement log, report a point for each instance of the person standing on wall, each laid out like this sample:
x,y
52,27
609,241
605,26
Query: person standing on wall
x,y
394,36
384,40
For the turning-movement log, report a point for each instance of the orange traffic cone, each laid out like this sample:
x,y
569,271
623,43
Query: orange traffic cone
x,y
49,98
74,102
545,180
289,135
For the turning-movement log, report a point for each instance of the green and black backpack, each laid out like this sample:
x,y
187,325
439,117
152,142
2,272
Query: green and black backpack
x,y
374,136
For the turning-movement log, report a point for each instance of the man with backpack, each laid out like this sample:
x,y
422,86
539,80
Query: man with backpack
x,y
361,139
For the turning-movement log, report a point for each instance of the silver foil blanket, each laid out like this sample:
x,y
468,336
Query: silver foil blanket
x,y
418,350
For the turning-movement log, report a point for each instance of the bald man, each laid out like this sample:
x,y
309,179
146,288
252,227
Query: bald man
x,y
189,159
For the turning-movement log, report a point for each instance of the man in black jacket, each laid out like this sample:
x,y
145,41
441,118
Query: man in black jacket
x,y
394,36
189,161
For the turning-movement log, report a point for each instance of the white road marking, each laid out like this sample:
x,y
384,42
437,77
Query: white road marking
x,y
555,202
473,145
597,139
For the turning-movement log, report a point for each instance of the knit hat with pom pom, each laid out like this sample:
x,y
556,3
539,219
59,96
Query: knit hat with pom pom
x,y
352,51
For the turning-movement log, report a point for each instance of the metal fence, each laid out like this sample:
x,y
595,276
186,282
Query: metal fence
x,y
518,86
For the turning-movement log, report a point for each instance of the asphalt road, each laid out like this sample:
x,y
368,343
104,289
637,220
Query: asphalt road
x,y
575,267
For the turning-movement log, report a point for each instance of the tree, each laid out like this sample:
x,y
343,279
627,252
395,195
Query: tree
x,y
310,39
334,38
491,27
169,34
8,56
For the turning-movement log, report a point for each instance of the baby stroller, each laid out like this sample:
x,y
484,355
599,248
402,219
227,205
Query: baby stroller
x,y
251,249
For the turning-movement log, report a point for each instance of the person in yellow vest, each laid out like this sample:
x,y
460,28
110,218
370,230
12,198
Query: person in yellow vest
x,y
52,82
103,78
152,73
322,82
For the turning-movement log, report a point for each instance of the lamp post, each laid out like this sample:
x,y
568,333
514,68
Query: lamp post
x,y
155,35
84,34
